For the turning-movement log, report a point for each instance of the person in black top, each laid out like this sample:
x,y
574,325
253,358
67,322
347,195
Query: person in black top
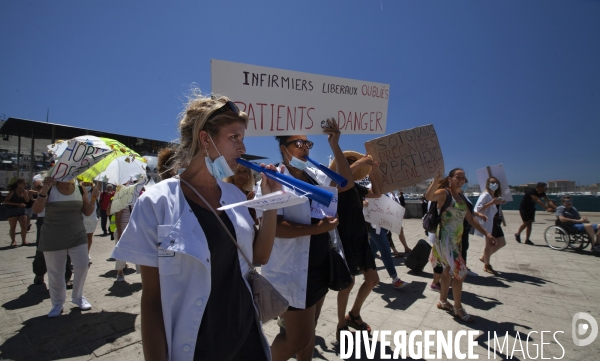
x,y
527,209
402,200
16,200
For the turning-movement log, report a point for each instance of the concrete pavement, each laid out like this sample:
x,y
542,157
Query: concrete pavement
x,y
537,289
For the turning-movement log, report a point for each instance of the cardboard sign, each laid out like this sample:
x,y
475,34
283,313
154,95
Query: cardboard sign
x,y
281,102
320,211
384,212
273,200
407,157
126,196
496,171
76,158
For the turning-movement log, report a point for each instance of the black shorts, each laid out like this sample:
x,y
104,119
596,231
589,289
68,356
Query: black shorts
x,y
497,231
14,211
527,214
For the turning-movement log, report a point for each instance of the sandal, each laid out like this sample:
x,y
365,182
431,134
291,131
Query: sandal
x,y
13,245
488,268
445,305
465,317
352,322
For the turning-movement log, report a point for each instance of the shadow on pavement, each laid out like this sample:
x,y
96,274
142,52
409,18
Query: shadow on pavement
x,y
401,299
35,295
486,281
512,277
43,337
123,289
476,301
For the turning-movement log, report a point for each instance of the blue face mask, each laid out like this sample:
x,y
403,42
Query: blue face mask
x,y
297,163
219,167
464,187
493,186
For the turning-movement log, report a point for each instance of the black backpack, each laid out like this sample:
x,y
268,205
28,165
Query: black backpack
x,y
431,219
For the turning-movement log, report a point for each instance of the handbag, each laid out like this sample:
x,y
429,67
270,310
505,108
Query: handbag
x,y
431,219
339,273
269,302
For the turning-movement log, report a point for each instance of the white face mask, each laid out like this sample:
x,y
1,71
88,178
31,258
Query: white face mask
x,y
219,167
88,188
493,186
297,163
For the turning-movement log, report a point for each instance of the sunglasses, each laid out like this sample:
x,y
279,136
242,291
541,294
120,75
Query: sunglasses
x,y
300,143
225,107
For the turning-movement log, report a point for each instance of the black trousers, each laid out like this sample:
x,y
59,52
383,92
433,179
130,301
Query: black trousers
x,y
39,262
103,220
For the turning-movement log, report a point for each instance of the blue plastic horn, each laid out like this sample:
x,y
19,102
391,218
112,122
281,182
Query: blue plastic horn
x,y
331,174
315,193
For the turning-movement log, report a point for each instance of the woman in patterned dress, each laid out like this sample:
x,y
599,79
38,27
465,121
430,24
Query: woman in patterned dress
x,y
448,238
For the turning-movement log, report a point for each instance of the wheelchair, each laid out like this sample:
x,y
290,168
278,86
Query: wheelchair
x,y
561,236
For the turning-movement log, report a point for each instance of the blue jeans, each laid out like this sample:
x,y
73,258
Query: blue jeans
x,y
380,242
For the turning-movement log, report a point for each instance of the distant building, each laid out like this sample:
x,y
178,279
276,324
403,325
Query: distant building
x,y
562,185
23,151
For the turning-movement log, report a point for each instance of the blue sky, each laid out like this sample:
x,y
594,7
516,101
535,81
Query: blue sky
x,y
513,82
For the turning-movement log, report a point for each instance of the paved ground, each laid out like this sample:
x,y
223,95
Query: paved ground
x,y
538,289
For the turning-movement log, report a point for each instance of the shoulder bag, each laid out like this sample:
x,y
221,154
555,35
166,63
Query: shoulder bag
x,y
269,302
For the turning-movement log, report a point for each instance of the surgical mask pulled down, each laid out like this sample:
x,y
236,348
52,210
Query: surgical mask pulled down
x,y
219,167
297,163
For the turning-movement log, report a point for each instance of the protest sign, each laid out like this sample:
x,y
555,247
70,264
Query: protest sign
x,y
496,171
126,195
273,200
407,157
384,212
281,102
320,211
77,157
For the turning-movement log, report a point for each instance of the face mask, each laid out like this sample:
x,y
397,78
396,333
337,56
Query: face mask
x,y
493,186
219,167
464,187
297,163
88,188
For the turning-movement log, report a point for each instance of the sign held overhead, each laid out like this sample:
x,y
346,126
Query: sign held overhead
x,y
406,157
283,102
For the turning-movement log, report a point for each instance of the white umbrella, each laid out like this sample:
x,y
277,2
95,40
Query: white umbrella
x,y
122,170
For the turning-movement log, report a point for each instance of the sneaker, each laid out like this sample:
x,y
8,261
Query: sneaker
x,y
38,280
471,273
120,277
55,311
69,285
436,287
398,283
82,303
529,243
518,237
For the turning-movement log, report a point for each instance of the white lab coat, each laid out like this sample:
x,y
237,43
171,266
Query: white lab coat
x,y
163,232
287,268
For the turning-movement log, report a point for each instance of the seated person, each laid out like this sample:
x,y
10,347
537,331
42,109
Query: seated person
x,y
568,215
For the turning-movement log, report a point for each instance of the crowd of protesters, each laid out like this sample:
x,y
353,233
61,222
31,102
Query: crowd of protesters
x,y
193,257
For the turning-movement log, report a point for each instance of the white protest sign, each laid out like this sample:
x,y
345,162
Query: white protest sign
x,y
320,211
496,171
384,212
126,196
406,157
76,157
280,102
273,200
